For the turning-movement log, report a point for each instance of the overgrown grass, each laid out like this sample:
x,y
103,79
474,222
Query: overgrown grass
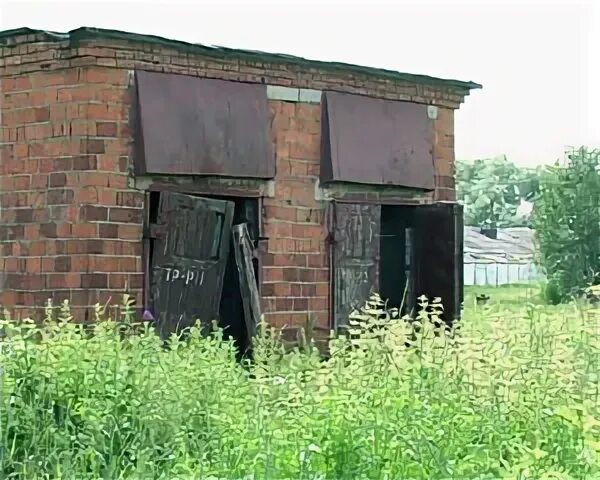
x,y
506,295
514,395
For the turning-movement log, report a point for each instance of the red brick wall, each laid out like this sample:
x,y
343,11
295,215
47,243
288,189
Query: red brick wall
x,y
69,226
296,268
295,276
443,153
32,53
67,149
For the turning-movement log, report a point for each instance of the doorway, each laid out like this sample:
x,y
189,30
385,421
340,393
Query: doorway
x,y
191,261
232,317
398,251
397,262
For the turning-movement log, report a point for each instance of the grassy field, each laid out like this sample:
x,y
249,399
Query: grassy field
x,y
505,296
514,395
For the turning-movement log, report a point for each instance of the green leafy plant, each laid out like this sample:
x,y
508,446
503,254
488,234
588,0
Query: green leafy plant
x,y
513,395
492,190
567,224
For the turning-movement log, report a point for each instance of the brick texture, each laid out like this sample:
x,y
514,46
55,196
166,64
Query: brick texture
x,y
70,226
296,275
64,189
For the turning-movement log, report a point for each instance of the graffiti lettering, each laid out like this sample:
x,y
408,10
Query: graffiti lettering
x,y
188,277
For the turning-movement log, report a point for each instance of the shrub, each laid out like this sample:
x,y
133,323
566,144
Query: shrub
x,y
492,190
515,395
551,293
567,224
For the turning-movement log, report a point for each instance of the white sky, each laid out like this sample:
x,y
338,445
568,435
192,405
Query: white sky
x,y
539,62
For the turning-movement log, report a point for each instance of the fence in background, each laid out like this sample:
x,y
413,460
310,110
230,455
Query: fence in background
x,y
496,274
506,259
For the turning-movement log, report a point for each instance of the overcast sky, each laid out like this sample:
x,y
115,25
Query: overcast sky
x,y
541,89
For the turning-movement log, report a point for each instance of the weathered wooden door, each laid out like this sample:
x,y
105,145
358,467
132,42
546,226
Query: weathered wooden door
x,y
244,250
439,256
356,230
191,247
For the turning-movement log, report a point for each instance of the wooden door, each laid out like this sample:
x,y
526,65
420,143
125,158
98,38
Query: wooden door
x,y
244,252
439,256
356,230
191,247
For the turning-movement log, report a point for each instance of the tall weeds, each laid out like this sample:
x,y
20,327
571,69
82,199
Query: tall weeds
x,y
514,395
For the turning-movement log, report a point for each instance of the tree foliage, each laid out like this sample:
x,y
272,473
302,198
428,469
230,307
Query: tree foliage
x,y
567,223
492,190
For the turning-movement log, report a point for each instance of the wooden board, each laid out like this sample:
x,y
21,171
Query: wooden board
x,y
243,249
191,247
356,230
439,256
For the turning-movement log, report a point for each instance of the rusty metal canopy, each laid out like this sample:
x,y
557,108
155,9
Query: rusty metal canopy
x,y
378,142
199,126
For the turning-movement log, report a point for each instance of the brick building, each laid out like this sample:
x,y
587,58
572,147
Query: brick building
x,y
126,159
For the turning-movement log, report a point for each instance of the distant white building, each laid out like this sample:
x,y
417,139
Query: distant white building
x,y
507,259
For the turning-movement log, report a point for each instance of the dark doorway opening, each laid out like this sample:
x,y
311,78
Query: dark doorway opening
x,y
230,309
399,251
397,263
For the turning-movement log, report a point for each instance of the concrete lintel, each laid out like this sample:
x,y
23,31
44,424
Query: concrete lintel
x,y
381,194
269,190
321,194
309,95
207,185
287,94
139,183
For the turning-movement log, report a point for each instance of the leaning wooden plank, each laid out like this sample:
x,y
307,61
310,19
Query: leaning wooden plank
x,y
243,258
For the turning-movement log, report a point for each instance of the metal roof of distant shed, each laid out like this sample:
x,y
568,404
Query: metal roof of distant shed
x,y
513,245
88,33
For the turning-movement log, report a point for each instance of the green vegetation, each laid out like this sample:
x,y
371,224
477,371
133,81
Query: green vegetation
x,y
513,395
566,214
567,223
492,190
506,296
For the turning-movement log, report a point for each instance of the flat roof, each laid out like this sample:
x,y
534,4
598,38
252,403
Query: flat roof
x,y
89,33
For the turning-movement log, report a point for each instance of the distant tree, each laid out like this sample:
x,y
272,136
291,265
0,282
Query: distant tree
x,y
566,218
492,191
